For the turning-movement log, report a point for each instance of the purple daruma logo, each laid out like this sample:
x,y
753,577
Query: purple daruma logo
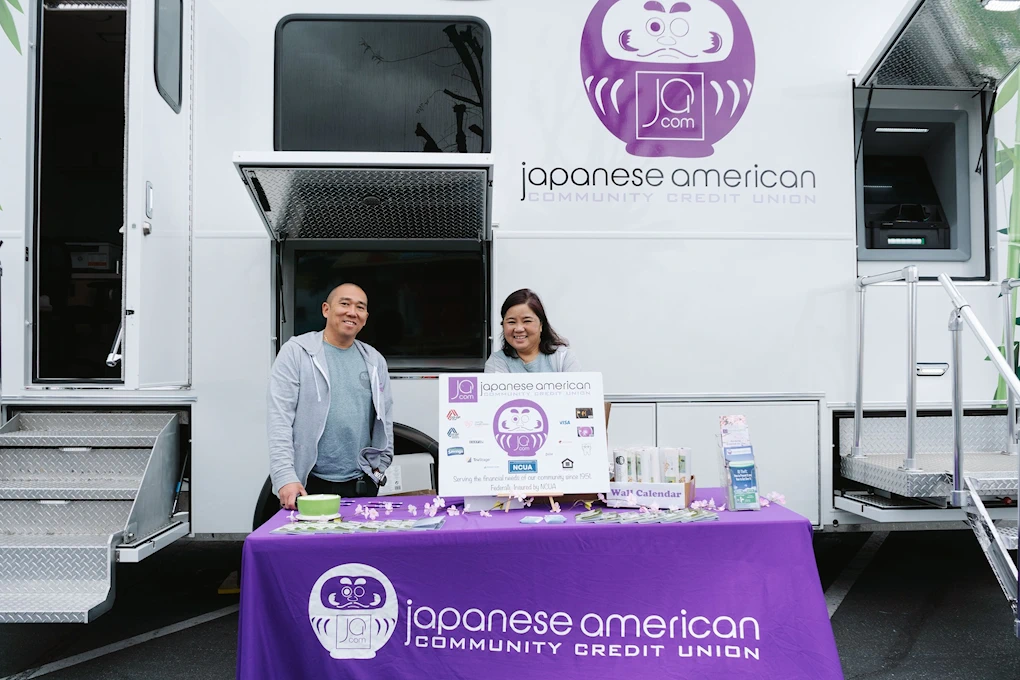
x,y
463,390
668,78
521,427
353,611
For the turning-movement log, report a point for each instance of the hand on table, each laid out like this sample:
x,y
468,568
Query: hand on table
x,y
289,494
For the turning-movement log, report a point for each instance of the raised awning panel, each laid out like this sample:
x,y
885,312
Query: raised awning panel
x,y
322,200
948,44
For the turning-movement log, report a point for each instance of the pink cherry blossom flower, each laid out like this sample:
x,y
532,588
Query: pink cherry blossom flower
x,y
527,502
389,507
763,501
372,514
631,499
485,513
554,506
674,508
654,505
643,510
358,510
452,511
439,502
413,510
721,508
602,497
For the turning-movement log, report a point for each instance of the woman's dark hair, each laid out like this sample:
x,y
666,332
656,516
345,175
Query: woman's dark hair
x,y
549,340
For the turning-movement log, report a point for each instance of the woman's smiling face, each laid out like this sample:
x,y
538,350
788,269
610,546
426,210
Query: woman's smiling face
x,y
522,329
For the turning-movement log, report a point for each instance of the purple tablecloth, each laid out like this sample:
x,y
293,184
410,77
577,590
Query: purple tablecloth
x,y
493,598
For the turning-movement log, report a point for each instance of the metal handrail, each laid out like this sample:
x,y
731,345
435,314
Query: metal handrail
x,y
114,356
963,491
1009,325
908,274
963,314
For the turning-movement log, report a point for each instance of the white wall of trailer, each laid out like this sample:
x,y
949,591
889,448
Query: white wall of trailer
x,y
701,300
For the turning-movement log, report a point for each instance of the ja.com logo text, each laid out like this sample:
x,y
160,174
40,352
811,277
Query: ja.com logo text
x,y
353,611
668,78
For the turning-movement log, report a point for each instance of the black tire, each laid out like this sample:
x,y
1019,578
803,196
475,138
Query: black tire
x,y
405,440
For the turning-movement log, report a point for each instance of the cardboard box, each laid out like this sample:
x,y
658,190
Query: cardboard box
x,y
645,494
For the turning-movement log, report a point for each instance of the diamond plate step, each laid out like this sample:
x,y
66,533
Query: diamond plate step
x,y
83,429
71,473
994,473
1007,533
65,518
54,579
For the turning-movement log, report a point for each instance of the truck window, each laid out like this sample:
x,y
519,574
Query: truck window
x,y
426,307
381,84
169,15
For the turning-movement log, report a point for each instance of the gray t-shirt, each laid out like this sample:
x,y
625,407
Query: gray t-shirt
x,y
349,423
539,364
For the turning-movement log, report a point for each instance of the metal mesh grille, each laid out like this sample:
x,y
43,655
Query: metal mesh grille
x,y
953,44
359,203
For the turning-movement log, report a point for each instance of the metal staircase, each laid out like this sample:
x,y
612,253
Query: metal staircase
x,y
954,467
78,493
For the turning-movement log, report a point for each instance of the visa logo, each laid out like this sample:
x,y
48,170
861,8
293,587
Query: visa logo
x,y
523,466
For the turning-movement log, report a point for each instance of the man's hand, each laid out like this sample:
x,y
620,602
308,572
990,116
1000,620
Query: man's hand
x,y
289,494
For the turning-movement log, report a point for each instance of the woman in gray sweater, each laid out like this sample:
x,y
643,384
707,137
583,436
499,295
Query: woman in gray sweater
x,y
530,345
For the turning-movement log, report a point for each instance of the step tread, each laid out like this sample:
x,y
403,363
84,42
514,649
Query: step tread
x,y
992,472
59,604
54,541
70,487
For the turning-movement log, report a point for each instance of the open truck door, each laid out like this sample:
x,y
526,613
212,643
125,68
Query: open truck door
x,y
156,328
84,490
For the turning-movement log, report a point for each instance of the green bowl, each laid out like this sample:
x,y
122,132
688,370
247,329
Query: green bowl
x,y
318,505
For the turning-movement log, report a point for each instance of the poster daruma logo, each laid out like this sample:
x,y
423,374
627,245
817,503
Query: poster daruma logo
x,y
668,78
521,427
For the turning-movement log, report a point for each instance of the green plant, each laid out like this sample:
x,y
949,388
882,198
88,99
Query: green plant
x,y
1005,166
7,21
7,24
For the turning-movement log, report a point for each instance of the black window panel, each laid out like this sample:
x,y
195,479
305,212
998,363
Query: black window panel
x,y
374,84
423,305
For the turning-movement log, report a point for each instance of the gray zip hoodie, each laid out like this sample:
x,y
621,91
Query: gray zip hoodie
x,y
299,404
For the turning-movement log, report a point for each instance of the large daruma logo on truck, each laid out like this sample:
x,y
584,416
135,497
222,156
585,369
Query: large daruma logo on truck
x,y
521,427
668,78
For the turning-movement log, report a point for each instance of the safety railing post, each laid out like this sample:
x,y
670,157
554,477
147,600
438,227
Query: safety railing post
x,y
910,275
859,404
1008,332
955,328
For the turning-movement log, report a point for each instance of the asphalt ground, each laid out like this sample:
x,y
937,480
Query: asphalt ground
x,y
908,605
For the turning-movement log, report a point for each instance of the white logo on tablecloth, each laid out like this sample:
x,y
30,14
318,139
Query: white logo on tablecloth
x,y
353,611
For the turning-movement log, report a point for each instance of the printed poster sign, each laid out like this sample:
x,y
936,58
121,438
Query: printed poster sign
x,y
530,433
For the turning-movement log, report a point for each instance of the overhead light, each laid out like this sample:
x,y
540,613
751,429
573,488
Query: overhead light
x,y
1001,5
902,129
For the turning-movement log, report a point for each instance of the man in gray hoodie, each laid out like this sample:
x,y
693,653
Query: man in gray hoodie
x,y
330,407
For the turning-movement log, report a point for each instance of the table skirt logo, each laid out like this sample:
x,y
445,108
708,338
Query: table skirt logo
x,y
463,390
353,611
521,427
668,78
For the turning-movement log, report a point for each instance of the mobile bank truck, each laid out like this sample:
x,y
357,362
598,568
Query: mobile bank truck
x,y
704,193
